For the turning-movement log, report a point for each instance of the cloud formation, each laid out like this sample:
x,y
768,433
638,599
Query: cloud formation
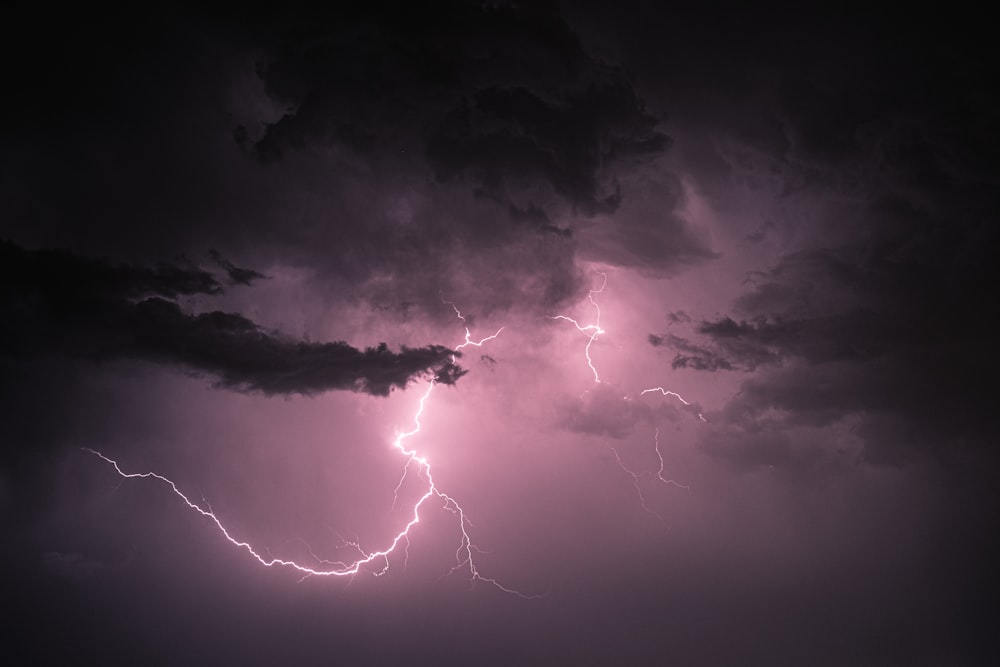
x,y
503,96
905,356
56,303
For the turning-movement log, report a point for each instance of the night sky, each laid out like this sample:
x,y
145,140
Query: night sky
x,y
237,249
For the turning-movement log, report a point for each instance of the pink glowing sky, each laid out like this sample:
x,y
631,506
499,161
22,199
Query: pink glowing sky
x,y
793,236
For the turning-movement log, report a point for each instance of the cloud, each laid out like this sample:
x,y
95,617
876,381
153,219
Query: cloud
x,y
245,358
55,303
872,323
604,411
392,151
503,97
690,355
237,275
747,345
649,232
907,357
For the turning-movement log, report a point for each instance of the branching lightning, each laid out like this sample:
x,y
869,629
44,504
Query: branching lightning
x,y
592,331
378,561
667,392
464,559
637,476
468,334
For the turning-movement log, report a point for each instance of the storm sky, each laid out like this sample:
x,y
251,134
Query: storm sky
x,y
234,249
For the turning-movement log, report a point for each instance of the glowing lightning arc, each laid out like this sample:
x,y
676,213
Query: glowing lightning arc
x,y
659,473
592,331
468,334
463,554
667,392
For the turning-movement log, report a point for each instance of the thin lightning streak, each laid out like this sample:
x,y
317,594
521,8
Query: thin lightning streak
x,y
468,334
395,493
636,476
592,331
463,554
350,569
659,473
635,483
667,392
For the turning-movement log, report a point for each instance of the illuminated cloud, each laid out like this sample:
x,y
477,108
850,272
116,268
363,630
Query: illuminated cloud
x,y
796,212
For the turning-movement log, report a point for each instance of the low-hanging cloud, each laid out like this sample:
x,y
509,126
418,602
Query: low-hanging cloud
x,y
56,303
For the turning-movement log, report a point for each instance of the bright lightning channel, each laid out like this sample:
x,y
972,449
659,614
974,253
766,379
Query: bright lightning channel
x,y
463,554
592,331
667,392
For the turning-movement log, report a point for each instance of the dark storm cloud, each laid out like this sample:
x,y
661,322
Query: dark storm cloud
x,y
872,325
504,97
237,275
510,137
649,233
908,355
536,217
875,167
390,149
747,345
690,355
678,317
55,303
244,357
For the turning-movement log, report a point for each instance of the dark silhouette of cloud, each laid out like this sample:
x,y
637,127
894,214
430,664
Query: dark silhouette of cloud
x,y
852,333
55,303
504,96
237,275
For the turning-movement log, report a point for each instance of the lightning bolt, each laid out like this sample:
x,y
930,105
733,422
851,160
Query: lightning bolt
x,y
464,559
592,331
635,482
659,473
667,392
468,334
637,476
379,560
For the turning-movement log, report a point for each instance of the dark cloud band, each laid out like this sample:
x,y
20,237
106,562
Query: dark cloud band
x,y
56,303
